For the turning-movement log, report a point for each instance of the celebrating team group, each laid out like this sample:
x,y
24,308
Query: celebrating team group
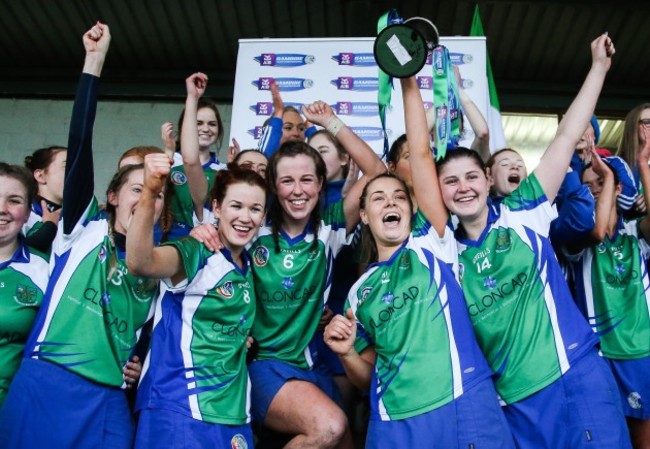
x,y
473,305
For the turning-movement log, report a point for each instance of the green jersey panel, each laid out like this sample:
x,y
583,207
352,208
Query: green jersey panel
x,y
613,288
23,280
181,203
521,308
95,308
198,350
291,286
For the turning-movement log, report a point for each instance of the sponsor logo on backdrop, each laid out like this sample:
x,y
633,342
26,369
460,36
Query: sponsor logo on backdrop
x,y
356,83
284,84
356,59
425,82
256,132
284,59
368,133
266,107
364,108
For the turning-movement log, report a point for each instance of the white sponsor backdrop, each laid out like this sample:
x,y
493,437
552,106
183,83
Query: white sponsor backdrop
x,y
343,73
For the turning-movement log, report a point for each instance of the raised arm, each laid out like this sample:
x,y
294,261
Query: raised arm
x,y
79,172
553,164
642,159
424,175
366,159
167,138
481,142
272,133
606,198
198,185
142,258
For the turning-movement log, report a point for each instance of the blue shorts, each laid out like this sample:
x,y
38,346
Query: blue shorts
x,y
164,428
49,406
473,420
579,410
633,381
268,376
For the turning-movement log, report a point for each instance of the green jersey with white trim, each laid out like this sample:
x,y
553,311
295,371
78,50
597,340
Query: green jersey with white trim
x,y
181,202
411,308
613,290
94,308
197,362
521,308
291,286
23,279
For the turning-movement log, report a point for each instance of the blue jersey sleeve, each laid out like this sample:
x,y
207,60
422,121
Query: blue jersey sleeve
x,y
310,131
79,173
271,136
576,206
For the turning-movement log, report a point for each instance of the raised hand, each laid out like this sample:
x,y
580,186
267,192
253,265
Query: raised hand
x,y
97,39
196,84
278,104
319,113
156,169
602,50
233,150
167,137
598,165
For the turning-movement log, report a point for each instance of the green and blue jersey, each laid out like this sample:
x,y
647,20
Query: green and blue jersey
x,y
525,319
197,361
411,309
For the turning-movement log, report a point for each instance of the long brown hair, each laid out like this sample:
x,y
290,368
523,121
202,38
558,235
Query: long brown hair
x,y
276,213
368,244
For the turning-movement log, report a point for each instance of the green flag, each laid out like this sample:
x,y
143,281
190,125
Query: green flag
x,y
497,137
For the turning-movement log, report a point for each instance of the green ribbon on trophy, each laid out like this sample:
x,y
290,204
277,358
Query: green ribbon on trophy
x,y
401,50
446,101
384,80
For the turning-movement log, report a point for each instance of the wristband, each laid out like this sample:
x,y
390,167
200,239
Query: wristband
x,y
335,125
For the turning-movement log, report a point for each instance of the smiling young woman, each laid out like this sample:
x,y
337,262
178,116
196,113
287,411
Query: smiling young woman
x,y
406,321
71,383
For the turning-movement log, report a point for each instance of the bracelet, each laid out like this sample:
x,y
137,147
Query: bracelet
x,y
335,125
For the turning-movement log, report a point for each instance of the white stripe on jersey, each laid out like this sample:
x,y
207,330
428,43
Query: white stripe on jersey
x,y
589,293
549,300
36,270
96,231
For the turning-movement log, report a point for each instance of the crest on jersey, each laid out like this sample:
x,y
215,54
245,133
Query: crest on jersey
x,y
634,399
179,178
601,248
143,289
101,255
226,290
503,241
287,283
404,261
238,442
25,295
364,295
489,282
261,256
388,298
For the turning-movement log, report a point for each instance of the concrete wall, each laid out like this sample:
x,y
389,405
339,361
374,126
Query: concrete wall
x,y
26,125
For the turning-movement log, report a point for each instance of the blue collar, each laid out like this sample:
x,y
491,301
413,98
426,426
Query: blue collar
x,y
246,259
21,255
